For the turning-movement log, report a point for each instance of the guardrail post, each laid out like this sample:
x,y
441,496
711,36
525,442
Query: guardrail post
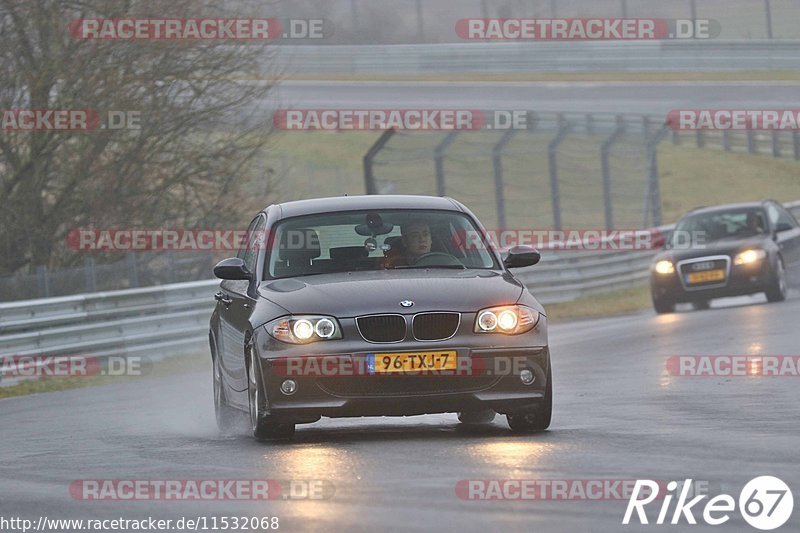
x,y
676,137
701,139
552,159
497,165
796,142
438,161
605,152
624,8
44,281
776,144
88,269
369,176
726,140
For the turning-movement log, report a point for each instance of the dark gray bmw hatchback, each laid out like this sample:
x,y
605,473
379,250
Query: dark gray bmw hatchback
x,y
376,306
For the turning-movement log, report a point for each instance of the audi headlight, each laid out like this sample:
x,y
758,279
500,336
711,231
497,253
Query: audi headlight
x,y
508,319
749,256
304,329
665,267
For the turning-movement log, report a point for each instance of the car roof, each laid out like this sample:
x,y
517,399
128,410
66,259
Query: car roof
x,y
361,202
727,207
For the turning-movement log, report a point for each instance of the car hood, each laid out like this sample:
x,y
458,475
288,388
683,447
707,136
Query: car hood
x,y
362,293
729,247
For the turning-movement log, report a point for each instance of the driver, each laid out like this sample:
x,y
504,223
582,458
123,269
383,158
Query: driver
x,y
754,223
416,238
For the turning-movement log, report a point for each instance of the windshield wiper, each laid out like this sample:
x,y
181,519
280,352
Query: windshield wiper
x,y
409,267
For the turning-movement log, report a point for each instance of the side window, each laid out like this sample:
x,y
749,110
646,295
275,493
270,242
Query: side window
x,y
772,213
784,217
252,243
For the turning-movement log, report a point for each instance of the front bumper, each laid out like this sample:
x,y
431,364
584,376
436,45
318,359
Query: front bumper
x,y
741,280
338,386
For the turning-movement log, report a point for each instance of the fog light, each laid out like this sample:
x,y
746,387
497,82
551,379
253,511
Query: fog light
x,y
288,387
526,376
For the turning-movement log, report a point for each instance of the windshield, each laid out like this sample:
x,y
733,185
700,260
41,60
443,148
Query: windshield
x,y
375,240
718,225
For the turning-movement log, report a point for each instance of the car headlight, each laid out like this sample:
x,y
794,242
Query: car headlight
x,y
304,329
508,319
749,256
665,267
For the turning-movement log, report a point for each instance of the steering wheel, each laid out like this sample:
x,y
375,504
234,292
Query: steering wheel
x,y
436,258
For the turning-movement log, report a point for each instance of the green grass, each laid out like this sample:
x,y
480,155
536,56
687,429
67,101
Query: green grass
x,y
316,164
612,303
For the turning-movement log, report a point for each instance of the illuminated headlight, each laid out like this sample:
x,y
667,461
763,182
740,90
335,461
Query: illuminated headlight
x,y
665,267
509,319
749,256
304,329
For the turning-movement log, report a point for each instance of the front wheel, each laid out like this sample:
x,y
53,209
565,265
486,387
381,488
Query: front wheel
x,y
778,289
537,418
225,415
662,306
264,426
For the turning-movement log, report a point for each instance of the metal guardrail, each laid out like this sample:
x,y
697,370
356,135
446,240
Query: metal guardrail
x,y
173,319
541,56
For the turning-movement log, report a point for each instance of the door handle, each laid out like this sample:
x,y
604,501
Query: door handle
x,y
225,300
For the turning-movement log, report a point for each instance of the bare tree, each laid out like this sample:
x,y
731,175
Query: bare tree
x,y
182,167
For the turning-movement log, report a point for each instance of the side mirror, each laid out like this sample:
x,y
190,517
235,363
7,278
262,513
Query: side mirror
x,y
522,256
783,226
232,268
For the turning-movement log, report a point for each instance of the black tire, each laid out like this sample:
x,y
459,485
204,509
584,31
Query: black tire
x,y
538,418
663,306
778,287
476,418
263,426
226,415
701,305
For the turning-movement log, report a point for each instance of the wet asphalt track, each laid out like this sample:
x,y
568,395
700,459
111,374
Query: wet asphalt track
x,y
617,416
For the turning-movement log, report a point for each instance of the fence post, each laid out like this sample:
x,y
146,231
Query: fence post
x,y
768,13
701,139
133,272
776,144
369,176
438,161
653,200
88,269
589,124
624,8
675,137
605,153
726,140
44,282
552,159
497,165
751,142
796,142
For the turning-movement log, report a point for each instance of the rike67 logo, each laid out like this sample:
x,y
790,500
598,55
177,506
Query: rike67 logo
x,y
765,503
